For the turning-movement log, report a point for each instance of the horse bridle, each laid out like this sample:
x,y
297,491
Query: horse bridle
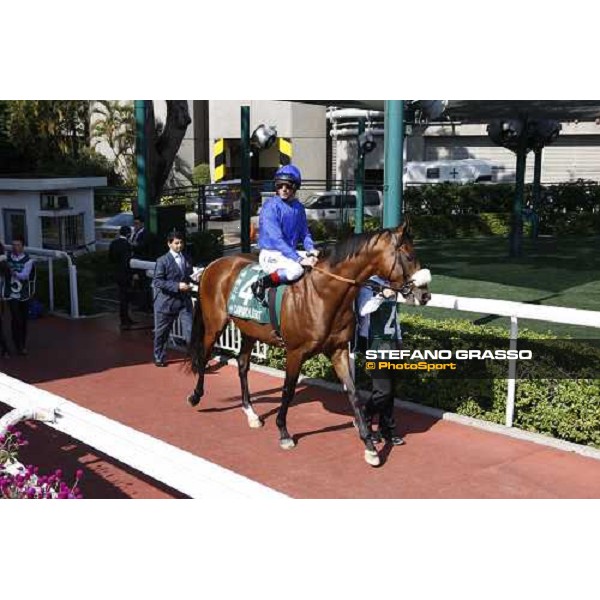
x,y
405,289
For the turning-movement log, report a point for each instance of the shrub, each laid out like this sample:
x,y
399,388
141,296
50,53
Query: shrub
x,y
206,246
568,409
18,482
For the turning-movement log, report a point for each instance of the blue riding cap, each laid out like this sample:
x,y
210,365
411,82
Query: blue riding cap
x,y
289,173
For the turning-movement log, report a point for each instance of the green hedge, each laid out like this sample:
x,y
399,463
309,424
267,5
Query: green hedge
x,y
206,246
567,409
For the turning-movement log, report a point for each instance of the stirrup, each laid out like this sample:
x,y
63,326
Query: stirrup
x,y
259,291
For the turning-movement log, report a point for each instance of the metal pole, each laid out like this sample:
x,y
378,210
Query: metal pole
x,y
537,189
537,176
51,284
246,186
516,229
201,209
359,177
140,156
393,162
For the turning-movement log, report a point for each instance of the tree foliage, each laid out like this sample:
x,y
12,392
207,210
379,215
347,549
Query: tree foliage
x,y
49,137
114,124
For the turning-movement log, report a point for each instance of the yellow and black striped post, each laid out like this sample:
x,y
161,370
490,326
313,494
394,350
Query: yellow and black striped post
x,y
285,151
219,159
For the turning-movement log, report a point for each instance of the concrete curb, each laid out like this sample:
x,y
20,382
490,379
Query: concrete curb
x,y
437,413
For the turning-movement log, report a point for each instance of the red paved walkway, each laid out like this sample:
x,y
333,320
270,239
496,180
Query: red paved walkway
x,y
92,364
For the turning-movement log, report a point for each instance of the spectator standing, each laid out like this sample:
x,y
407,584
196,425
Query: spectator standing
x,y
22,270
119,254
172,299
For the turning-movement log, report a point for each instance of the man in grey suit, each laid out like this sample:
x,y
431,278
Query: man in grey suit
x,y
172,299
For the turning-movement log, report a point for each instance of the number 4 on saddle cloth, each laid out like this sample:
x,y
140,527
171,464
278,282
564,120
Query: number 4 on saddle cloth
x,y
243,304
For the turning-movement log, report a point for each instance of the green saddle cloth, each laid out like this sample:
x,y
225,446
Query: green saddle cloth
x,y
242,302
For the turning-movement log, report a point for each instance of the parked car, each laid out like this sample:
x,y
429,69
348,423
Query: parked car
x,y
108,229
223,199
338,205
223,206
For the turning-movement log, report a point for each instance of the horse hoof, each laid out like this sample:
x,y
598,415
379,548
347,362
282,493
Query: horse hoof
x,y
256,423
194,399
287,444
372,458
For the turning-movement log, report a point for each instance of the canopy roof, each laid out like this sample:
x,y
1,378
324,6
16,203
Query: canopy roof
x,y
482,111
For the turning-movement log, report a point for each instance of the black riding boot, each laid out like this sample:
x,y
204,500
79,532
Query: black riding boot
x,y
259,288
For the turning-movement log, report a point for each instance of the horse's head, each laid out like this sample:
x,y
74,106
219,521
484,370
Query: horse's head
x,y
400,266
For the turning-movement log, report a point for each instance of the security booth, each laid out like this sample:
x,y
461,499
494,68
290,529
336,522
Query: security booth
x,y
50,213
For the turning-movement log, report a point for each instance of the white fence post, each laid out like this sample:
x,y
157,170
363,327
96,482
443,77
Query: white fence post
x,y
74,291
512,372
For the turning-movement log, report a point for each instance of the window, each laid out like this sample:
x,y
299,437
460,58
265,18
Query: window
x,y
327,201
62,233
15,225
371,198
53,202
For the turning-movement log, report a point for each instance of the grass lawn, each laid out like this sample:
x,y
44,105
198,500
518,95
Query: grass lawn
x,y
563,272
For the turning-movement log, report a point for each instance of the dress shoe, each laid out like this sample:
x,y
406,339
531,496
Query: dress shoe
x,y
22,351
160,363
5,354
391,438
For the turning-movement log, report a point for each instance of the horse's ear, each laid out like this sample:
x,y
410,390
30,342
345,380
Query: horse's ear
x,y
404,229
407,226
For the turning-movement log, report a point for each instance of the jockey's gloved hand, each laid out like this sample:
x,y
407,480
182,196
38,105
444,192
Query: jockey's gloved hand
x,y
314,252
388,293
309,261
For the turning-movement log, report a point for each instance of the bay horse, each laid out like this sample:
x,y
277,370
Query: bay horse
x,y
317,316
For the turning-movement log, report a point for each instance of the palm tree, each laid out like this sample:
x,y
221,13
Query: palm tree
x,y
114,124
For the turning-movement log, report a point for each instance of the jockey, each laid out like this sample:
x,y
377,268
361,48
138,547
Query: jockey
x,y
282,224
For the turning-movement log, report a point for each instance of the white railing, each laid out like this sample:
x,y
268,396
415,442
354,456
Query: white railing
x,y
516,310
176,468
230,340
49,256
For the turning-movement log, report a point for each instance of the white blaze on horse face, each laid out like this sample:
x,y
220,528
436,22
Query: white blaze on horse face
x,y
421,278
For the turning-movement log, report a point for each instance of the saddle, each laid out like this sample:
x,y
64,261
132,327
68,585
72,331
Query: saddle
x,y
244,305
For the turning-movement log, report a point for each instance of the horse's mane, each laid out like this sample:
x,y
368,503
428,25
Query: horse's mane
x,y
351,246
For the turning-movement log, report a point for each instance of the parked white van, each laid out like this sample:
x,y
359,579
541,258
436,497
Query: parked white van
x,y
469,170
336,205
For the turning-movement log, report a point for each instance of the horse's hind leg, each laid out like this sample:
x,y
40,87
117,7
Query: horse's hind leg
x,y
209,339
341,363
243,365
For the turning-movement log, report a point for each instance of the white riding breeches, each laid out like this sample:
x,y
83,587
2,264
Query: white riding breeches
x,y
272,260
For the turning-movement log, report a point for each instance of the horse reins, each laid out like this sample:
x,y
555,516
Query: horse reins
x,y
404,289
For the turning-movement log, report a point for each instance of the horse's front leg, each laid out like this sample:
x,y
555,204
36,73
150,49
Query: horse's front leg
x,y
243,361
292,371
340,360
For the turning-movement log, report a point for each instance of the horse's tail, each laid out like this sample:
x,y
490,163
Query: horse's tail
x,y
196,346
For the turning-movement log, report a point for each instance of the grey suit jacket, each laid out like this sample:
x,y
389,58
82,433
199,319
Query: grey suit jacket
x,y
167,277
